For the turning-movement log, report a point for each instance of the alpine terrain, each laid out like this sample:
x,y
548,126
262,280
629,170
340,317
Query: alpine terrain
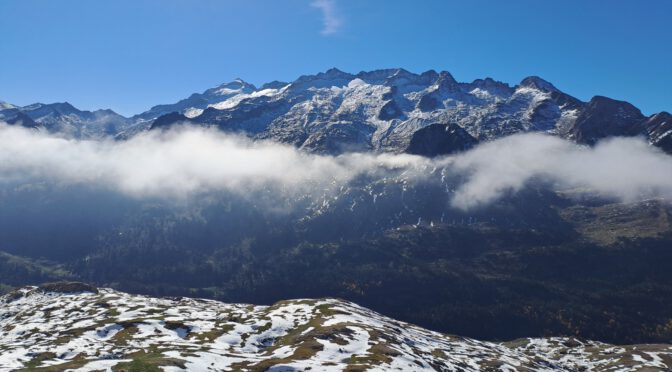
x,y
388,110
534,225
75,327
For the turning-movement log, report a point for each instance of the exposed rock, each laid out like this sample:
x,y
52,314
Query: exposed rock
x,y
605,117
658,127
169,120
538,83
23,120
440,139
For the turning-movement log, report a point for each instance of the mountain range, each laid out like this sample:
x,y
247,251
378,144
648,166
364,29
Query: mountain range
x,y
389,110
544,259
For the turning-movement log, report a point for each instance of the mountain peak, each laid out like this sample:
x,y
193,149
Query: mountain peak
x,y
447,80
430,74
402,72
378,76
64,107
237,85
491,85
538,83
334,73
275,84
331,77
604,117
169,120
606,103
6,105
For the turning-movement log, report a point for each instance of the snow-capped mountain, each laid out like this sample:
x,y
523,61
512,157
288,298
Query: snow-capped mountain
x,y
6,106
72,326
197,102
65,119
382,110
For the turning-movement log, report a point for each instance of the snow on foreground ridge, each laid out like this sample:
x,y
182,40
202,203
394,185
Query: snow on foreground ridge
x,y
109,330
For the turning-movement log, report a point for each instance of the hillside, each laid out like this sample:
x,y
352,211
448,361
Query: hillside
x,y
72,326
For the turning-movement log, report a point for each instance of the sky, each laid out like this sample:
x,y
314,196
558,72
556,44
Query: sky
x,y
129,55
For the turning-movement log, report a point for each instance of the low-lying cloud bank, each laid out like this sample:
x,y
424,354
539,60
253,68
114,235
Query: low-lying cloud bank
x,y
180,162
188,161
625,168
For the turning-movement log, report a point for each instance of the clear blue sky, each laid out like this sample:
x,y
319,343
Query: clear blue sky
x,y
131,54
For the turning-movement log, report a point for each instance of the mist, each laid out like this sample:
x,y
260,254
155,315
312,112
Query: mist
x,y
627,169
181,163
187,162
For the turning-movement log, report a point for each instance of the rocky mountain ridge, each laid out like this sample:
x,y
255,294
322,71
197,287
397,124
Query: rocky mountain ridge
x,y
64,119
381,110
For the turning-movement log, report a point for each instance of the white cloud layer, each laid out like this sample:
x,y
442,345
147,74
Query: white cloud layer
x,y
189,161
331,19
179,162
624,168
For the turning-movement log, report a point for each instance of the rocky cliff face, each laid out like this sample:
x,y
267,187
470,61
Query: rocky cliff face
x,y
604,117
658,128
439,139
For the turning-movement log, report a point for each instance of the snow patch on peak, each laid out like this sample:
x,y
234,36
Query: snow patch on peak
x,y
238,98
234,87
536,96
192,112
357,82
6,105
481,93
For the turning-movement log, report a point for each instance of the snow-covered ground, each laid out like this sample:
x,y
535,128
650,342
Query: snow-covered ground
x,y
87,331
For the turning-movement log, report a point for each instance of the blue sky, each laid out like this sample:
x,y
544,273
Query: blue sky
x,y
131,54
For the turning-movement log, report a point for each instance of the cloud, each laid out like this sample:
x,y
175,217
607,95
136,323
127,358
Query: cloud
x,y
624,168
181,162
188,161
331,19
